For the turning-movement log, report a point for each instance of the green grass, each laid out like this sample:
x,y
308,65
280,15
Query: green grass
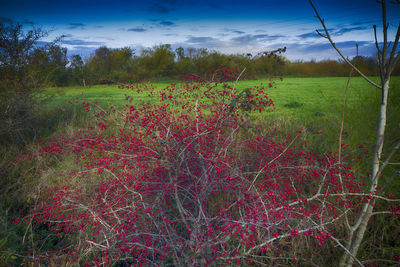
x,y
305,98
106,95
307,104
298,98
311,105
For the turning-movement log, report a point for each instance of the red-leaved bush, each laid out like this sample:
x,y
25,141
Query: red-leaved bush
x,y
190,180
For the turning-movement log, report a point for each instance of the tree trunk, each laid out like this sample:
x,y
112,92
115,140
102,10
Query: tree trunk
x,y
358,231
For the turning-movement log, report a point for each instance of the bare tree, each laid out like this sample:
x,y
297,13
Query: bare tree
x,y
388,57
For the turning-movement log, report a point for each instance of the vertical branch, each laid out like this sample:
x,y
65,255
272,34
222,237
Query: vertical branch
x,y
393,59
384,48
341,135
379,53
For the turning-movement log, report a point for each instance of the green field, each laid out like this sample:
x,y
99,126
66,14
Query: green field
x,y
308,104
301,98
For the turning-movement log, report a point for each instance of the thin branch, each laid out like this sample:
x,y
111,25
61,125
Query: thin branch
x,y
388,180
346,250
386,162
320,34
337,49
385,46
341,135
237,79
392,58
379,54
383,212
367,195
317,226
397,59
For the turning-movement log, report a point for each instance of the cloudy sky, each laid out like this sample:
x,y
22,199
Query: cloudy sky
x,y
228,26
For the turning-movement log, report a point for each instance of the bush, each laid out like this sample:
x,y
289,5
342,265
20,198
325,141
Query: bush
x,y
191,181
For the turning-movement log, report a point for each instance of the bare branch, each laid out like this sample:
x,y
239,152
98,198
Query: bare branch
x,y
345,249
385,26
397,59
320,34
368,196
392,59
379,54
386,162
388,180
337,49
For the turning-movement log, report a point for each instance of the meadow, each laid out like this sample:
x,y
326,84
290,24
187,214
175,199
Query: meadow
x,y
312,104
298,98
308,104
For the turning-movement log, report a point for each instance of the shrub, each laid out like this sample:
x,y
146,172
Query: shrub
x,y
190,181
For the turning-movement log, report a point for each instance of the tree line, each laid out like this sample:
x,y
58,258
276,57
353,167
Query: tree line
x,y
27,63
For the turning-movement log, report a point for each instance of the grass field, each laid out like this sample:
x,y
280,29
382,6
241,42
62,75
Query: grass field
x,y
311,105
300,98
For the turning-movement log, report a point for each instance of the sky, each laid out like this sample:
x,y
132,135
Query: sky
x,y
227,26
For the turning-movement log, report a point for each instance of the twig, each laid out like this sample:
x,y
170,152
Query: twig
x,y
388,180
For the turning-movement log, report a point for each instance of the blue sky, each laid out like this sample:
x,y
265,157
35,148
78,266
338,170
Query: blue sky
x,y
247,26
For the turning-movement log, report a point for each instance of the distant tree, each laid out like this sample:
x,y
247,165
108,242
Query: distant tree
x,y
99,65
367,65
200,60
76,62
155,62
163,60
15,47
183,64
78,69
121,63
217,60
47,65
190,52
108,63
121,58
180,53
